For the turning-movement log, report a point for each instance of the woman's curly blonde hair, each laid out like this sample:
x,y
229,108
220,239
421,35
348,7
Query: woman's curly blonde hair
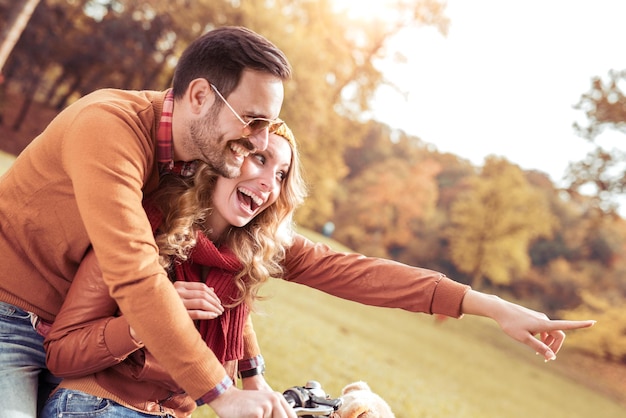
x,y
260,245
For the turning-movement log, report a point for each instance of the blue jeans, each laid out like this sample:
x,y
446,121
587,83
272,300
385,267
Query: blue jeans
x,y
23,375
75,403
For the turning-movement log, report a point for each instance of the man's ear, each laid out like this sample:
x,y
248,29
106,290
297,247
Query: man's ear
x,y
199,95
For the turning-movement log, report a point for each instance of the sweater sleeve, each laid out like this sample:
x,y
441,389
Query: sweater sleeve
x,y
250,343
109,157
372,281
87,336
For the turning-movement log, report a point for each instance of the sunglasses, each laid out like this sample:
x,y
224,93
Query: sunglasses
x,y
254,125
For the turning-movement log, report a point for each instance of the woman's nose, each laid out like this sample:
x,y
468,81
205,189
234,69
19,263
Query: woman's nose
x,y
267,181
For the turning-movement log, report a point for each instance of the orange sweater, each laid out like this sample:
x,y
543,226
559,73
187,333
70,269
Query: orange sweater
x,y
81,183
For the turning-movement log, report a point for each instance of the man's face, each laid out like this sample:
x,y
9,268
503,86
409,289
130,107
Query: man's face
x,y
218,137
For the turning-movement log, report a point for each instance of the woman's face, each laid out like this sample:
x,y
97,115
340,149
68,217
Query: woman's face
x,y
237,201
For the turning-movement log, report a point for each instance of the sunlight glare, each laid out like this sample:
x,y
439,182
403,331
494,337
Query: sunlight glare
x,y
367,10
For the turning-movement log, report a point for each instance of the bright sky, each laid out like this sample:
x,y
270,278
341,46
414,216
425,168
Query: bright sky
x,y
505,79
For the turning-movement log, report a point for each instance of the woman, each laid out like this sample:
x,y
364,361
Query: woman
x,y
219,239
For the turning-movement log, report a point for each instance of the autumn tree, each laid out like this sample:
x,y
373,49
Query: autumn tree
x,y
383,206
607,341
428,246
493,223
89,45
599,277
603,171
388,195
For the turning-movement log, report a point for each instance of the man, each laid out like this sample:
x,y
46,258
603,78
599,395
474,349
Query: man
x,y
80,184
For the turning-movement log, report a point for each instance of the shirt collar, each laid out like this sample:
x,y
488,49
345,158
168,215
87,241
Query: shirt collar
x,y
165,149
164,132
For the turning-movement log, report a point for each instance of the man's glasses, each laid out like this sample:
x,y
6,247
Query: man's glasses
x,y
254,125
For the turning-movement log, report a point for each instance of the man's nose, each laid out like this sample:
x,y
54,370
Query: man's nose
x,y
260,139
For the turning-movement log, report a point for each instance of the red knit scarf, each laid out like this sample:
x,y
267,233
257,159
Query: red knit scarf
x,y
223,335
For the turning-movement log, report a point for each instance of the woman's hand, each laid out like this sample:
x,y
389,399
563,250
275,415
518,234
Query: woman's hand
x,y
529,327
199,299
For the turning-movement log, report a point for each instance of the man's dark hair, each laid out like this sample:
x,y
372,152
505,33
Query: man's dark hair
x,y
221,55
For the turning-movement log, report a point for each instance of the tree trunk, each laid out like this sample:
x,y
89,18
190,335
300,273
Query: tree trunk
x,y
15,26
29,96
62,102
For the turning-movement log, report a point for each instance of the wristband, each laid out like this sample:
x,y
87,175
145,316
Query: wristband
x,y
252,372
211,395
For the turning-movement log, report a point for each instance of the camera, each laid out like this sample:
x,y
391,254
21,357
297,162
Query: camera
x,y
310,400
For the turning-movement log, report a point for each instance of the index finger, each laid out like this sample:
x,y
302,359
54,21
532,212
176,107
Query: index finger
x,y
181,284
563,325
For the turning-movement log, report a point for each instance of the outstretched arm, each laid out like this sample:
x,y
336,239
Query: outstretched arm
x,y
522,324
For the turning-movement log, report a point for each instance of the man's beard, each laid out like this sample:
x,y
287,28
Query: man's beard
x,y
213,148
